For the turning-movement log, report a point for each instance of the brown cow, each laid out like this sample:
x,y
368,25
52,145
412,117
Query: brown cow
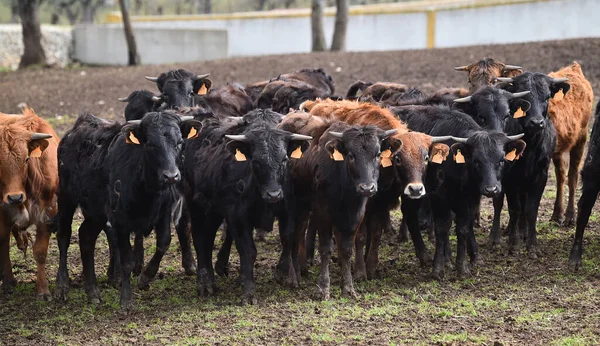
x,y
570,115
28,184
485,71
406,180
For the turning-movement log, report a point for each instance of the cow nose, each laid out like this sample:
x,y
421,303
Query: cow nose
x,y
415,190
538,122
15,199
274,195
491,191
367,190
171,177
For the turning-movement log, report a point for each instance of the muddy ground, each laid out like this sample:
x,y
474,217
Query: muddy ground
x,y
510,300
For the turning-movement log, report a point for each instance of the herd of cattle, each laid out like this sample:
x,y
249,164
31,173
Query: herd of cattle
x,y
289,149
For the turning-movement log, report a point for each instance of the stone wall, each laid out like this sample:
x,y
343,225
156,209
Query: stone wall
x,y
56,40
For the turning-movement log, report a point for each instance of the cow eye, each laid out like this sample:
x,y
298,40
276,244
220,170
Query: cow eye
x,y
426,157
26,159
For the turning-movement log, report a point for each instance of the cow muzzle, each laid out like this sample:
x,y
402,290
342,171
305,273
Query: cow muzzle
x,y
367,190
16,199
491,191
171,177
273,196
18,215
414,190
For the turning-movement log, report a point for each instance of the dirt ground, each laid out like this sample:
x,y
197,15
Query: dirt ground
x,y
509,300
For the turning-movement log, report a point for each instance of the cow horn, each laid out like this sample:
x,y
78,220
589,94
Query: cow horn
x,y
504,79
463,100
299,137
186,118
239,138
135,122
519,94
459,139
123,99
336,134
302,106
388,133
462,68
152,79
37,136
237,120
512,67
201,76
437,139
559,80
156,98
515,137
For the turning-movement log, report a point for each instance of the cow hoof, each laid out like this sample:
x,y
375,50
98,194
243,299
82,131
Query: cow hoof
x,y
437,275
114,281
349,293
360,274
322,295
556,217
575,260
221,269
372,274
569,221
493,242
62,293
424,260
304,271
46,296
126,307
463,272
143,282
249,299
477,261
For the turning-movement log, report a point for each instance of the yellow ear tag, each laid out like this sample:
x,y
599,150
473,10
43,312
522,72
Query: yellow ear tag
x,y
296,154
438,157
337,156
519,113
459,158
132,139
511,155
193,133
385,158
37,152
239,156
203,90
559,95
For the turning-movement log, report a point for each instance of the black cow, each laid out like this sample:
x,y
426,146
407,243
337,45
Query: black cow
x,y
139,103
245,174
123,176
590,190
333,181
178,88
524,180
457,185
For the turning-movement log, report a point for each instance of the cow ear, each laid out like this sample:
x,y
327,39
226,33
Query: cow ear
x,y
438,152
239,150
131,133
202,86
519,107
37,146
459,152
389,146
296,148
514,149
190,129
558,90
336,149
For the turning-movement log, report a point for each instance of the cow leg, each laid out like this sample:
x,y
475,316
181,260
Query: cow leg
x,y
376,226
127,263
114,265
575,162
462,235
410,212
324,229
494,238
288,261
300,232
442,221
204,231
531,207
514,212
266,226
360,241
138,253
403,231
88,234
244,243
344,242
590,191
163,241
222,264
559,168
40,252
66,210
310,241
8,279
184,235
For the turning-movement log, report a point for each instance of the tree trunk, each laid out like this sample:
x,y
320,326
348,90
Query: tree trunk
x,y
208,6
261,5
14,11
138,6
341,26
33,53
134,58
88,11
316,21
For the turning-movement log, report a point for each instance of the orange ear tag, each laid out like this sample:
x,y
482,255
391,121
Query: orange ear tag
x,y
559,95
459,158
511,156
239,156
337,156
203,90
519,113
296,154
132,139
385,158
193,133
37,152
438,157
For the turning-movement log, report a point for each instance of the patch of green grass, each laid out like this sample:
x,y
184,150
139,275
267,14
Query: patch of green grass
x,y
462,337
539,316
574,340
